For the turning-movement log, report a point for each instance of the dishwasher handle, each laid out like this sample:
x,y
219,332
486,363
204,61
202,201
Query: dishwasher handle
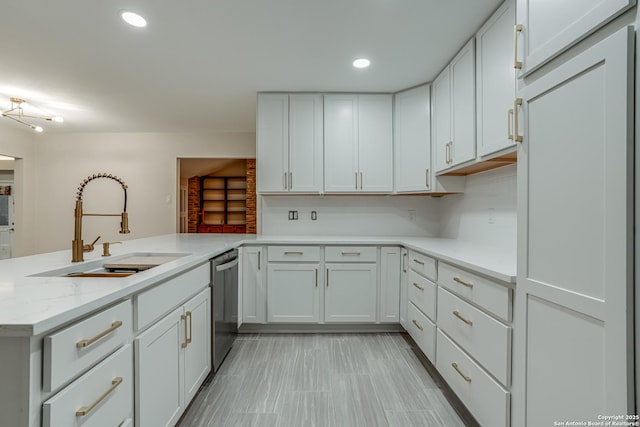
x,y
227,265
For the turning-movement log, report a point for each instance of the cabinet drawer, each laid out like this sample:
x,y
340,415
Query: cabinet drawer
x,y
293,253
159,300
423,331
350,253
484,338
73,350
422,292
482,395
422,264
104,394
492,296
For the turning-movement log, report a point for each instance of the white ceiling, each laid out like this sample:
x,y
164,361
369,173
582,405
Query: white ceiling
x,y
199,63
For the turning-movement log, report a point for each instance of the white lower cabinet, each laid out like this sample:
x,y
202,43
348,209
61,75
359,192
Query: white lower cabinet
x,y
293,292
253,285
390,273
103,397
483,396
172,359
350,292
404,278
422,330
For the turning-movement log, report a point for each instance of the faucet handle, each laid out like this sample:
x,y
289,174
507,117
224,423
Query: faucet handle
x,y
105,248
89,248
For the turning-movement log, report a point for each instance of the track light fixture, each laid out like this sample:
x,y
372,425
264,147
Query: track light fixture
x,y
16,113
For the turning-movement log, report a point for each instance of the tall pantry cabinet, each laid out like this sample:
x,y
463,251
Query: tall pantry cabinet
x,y
574,299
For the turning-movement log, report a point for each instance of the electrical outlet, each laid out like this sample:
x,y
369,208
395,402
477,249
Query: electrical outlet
x,y
290,215
295,215
314,215
412,215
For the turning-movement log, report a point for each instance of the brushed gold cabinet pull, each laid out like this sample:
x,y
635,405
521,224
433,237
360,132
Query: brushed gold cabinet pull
x,y
290,180
259,256
316,277
356,180
509,116
404,262
516,134
327,277
361,180
185,343
418,286
426,179
190,317
284,176
417,325
417,261
86,343
457,314
294,253
466,378
446,152
355,253
462,282
86,409
516,29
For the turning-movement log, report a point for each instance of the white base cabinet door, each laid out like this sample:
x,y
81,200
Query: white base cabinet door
x,y
350,293
550,27
404,298
253,285
390,272
573,351
197,354
293,293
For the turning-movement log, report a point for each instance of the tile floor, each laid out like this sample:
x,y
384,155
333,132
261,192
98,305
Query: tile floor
x,y
333,380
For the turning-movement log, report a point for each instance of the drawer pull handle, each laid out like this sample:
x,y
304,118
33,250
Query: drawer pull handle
x,y
417,325
350,253
467,321
316,277
417,261
516,29
86,409
186,340
86,343
404,262
462,282
294,253
418,286
190,317
466,378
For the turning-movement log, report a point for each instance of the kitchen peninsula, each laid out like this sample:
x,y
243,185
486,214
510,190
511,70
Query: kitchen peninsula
x,y
38,311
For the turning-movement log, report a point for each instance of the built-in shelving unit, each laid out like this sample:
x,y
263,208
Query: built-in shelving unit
x,y
223,202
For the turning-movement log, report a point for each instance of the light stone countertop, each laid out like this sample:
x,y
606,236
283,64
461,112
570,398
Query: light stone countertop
x,y
34,305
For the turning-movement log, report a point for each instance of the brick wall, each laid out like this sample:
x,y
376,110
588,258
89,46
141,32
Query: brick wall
x,y
251,196
193,209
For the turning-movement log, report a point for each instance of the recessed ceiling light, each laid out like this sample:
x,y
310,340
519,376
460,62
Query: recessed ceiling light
x,y
134,19
361,63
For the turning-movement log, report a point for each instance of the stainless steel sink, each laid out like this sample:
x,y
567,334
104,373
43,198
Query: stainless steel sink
x,y
114,267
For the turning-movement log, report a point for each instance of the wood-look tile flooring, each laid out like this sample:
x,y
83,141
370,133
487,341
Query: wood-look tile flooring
x,y
333,380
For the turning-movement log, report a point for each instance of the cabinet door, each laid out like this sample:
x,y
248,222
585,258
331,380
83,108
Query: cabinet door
x,y
550,27
412,144
442,119
404,298
375,143
463,105
253,289
305,143
159,363
340,143
389,285
350,293
197,353
574,297
292,293
272,133
496,81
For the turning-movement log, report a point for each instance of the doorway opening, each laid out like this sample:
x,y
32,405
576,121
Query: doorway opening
x,y
7,223
216,195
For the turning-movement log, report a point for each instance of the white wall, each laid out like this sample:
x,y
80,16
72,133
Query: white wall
x,y
486,213
145,161
350,215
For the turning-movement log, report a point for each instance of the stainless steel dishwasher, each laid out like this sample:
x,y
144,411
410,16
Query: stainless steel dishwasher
x,y
224,304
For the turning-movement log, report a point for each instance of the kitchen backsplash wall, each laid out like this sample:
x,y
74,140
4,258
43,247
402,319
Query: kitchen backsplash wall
x,y
486,212
351,215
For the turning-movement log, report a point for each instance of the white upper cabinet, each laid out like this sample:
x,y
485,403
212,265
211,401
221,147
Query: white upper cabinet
x,y
496,81
289,143
358,149
454,110
412,142
547,28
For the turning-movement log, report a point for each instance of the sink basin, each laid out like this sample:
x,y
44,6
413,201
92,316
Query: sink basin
x,y
114,267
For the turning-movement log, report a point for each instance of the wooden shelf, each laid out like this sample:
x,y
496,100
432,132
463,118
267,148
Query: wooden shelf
x,y
223,202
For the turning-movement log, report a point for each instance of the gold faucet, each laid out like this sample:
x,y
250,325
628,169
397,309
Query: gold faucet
x,y
77,247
